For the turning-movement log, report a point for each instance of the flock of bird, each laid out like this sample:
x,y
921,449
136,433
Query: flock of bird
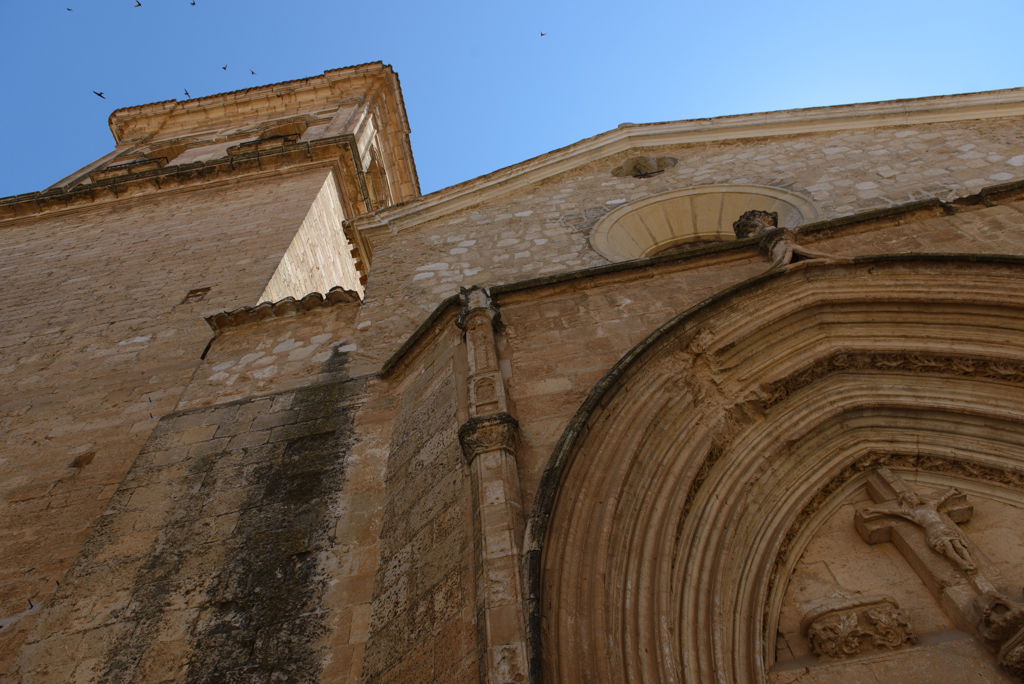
x,y
100,94
138,3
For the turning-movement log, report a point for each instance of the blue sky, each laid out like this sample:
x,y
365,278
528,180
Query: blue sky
x,y
482,87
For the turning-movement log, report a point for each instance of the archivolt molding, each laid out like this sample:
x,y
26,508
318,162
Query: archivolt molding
x,y
687,484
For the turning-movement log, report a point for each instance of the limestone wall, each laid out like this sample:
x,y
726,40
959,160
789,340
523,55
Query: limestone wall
x,y
423,625
544,228
215,554
320,256
564,336
273,502
274,355
99,338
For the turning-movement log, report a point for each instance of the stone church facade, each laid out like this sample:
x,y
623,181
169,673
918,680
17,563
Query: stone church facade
x,y
727,400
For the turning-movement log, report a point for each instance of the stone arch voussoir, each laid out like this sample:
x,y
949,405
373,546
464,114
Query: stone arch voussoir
x,y
685,484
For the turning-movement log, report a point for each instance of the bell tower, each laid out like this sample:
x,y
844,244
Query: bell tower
x,y
350,122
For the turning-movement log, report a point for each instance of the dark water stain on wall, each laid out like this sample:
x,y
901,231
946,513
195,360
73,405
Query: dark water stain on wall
x,y
266,616
253,592
159,577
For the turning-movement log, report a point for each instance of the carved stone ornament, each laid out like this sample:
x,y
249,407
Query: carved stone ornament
x,y
1001,624
778,245
488,433
755,223
1011,654
477,299
644,167
844,626
937,516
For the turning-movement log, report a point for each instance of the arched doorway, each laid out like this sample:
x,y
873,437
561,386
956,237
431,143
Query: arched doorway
x,y
716,499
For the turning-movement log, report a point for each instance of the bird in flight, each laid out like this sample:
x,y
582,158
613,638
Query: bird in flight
x,y
542,34
187,94
225,67
99,94
137,4
252,72
68,9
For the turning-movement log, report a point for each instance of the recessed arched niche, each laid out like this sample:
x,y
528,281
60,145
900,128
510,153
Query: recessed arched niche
x,y
691,216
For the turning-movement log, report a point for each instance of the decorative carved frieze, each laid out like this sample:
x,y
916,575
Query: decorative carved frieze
x,y
839,627
995,369
488,433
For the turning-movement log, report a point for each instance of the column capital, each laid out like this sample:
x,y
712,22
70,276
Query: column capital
x,y
488,433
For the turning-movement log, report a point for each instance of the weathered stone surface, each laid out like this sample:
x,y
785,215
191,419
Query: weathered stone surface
x,y
516,455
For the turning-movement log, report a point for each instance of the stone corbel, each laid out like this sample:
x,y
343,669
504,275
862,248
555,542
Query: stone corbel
x,y
1001,625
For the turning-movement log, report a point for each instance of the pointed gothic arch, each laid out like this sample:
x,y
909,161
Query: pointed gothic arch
x,y
686,487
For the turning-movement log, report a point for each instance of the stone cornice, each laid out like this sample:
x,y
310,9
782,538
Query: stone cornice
x,y
285,307
291,157
142,121
945,108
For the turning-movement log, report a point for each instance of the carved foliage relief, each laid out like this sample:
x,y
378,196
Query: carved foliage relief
x,y
841,627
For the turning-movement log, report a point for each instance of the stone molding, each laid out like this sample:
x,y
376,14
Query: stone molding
x,y
324,152
1007,370
840,627
283,307
730,473
488,433
636,137
142,120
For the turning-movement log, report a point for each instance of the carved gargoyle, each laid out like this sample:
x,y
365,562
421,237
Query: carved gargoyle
x,y
778,245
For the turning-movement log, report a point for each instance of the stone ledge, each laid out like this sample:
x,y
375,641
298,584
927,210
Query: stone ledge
x,y
285,307
140,120
151,180
904,213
